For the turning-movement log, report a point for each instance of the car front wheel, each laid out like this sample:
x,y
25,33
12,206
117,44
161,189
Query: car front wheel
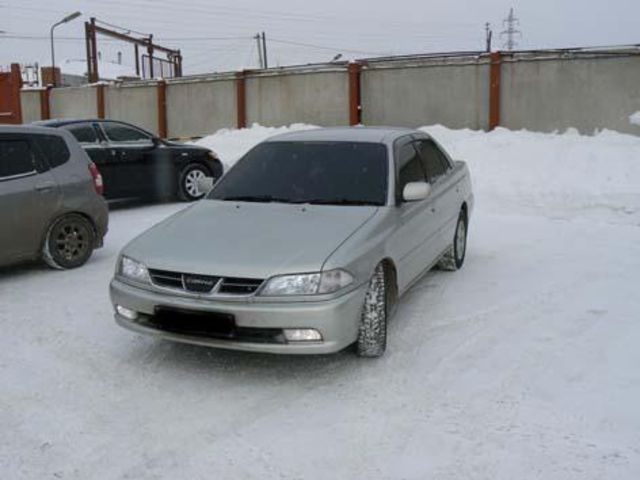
x,y
372,334
188,189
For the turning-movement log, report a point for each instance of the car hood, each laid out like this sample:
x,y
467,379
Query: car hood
x,y
250,240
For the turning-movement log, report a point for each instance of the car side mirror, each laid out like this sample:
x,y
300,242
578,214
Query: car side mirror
x,y
205,184
415,191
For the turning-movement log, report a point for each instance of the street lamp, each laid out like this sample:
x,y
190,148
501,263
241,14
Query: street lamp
x,y
66,19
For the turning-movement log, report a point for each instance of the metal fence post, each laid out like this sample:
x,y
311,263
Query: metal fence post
x,y
100,100
162,109
355,109
494,89
45,106
241,99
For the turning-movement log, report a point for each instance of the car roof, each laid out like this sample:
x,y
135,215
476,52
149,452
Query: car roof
x,y
58,122
30,128
345,134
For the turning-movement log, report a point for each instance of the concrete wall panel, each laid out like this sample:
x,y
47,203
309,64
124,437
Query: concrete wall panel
x,y
456,96
318,98
30,103
134,104
586,93
73,102
200,108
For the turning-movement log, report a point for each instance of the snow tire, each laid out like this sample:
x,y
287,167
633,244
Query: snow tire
x,y
372,335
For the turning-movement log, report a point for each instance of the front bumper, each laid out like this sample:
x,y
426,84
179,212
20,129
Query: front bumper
x,y
337,319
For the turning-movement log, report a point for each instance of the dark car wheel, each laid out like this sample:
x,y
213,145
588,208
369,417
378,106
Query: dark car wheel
x,y
69,242
372,335
188,182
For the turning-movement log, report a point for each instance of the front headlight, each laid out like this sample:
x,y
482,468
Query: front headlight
x,y
307,283
134,270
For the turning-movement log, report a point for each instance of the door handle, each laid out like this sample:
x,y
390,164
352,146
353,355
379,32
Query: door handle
x,y
45,186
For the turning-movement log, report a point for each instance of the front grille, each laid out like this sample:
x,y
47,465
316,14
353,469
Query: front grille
x,y
239,286
196,283
166,279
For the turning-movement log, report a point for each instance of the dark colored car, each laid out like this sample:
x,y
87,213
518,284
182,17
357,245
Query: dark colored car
x,y
136,164
51,204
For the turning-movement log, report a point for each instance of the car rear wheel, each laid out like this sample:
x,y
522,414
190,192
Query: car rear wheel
x,y
454,257
188,189
372,334
69,242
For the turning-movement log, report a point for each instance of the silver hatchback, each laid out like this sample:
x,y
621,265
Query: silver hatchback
x,y
304,246
51,204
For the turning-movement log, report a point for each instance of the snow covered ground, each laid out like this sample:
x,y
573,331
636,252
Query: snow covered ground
x,y
524,364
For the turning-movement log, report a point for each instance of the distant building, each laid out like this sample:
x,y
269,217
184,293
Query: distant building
x,y
74,72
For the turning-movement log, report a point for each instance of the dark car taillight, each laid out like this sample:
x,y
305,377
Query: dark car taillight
x,y
97,178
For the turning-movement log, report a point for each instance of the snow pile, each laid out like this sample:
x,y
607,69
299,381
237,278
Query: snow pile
x,y
634,118
231,144
559,174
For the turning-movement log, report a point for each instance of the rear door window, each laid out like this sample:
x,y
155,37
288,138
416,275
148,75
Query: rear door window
x,y
434,161
16,158
119,133
84,132
53,148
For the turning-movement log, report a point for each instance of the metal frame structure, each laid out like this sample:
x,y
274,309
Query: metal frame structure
x,y
91,30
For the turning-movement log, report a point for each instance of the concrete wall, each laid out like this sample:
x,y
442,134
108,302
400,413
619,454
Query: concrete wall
x,y
586,93
134,104
426,93
319,98
73,102
30,104
540,91
200,108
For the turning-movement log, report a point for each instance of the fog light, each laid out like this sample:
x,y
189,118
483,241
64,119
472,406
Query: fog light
x,y
302,335
126,312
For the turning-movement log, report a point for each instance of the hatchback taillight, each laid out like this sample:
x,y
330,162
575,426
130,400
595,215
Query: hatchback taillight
x,y
97,178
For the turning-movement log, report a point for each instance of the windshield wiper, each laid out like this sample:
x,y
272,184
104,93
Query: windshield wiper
x,y
255,198
337,201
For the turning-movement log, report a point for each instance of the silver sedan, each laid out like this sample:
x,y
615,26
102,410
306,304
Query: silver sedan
x,y
305,246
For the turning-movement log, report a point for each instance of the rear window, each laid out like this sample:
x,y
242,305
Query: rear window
x,y
53,148
16,158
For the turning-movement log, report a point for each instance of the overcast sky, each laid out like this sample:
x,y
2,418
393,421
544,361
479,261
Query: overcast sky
x,y
304,31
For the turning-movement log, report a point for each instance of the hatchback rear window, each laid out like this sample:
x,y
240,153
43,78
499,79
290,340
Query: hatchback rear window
x,y
54,149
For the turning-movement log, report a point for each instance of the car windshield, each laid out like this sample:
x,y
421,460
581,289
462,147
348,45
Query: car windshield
x,y
326,173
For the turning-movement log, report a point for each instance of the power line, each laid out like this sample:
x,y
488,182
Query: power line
x,y
324,47
511,23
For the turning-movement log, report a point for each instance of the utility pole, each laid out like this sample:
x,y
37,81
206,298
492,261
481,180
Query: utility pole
x,y
488,34
264,50
259,43
511,22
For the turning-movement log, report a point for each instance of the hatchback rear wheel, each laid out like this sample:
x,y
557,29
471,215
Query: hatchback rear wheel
x,y
69,242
